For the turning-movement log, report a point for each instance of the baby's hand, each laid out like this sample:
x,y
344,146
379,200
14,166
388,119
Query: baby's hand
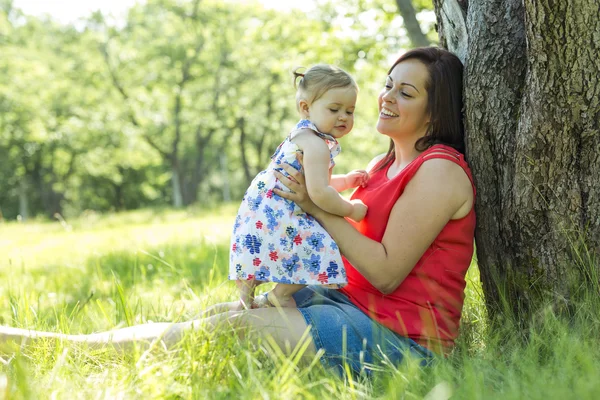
x,y
358,177
359,210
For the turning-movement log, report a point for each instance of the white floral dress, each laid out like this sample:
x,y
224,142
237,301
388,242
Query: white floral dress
x,y
273,239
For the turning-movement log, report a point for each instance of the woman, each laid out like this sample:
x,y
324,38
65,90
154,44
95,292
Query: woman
x,y
406,260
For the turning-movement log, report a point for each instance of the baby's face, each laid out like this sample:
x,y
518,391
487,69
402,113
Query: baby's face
x,y
333,113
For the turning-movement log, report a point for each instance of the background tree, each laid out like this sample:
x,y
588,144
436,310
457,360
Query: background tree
x,y
181,103
533,117
158,58
409,16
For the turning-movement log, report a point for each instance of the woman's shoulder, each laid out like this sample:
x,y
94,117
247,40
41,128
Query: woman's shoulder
x,y
439,158
375,161
442,151
447,175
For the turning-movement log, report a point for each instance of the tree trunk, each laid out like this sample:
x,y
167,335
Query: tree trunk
x,y
225,175
23,199
241,125
532,101
409,17
176,183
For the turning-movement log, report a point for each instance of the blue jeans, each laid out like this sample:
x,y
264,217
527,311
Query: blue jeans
x,y
349,336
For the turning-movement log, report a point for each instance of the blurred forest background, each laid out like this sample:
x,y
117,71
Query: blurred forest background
x,y
181,102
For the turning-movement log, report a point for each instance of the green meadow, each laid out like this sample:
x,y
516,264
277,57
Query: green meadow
x,y
104,271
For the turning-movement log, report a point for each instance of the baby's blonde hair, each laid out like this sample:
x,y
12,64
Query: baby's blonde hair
x,y
317,80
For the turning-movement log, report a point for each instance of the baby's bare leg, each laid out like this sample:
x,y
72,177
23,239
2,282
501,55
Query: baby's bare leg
x,y
246,288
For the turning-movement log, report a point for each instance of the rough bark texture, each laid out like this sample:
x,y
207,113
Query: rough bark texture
x,y
532,93
494,79
555,194
451,25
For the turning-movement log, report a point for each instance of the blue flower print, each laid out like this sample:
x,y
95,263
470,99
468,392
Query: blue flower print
x,y
262,274
238,271
283,242
332,270
302,281
316,241
290,205
261,185
271,219
283,279
291,232
252,242
277,197
313,264
271,246
296,164
304,124
236,248
334,246
290,265
237,224
254,203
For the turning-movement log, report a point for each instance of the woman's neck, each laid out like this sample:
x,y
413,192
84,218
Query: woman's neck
x,y
405,153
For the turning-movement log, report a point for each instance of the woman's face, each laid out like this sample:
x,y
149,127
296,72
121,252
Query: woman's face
x,y
403,101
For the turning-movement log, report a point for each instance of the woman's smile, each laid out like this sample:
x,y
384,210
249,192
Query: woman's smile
x,y
385,113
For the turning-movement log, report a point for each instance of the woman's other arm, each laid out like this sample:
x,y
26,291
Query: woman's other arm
x,y
439,191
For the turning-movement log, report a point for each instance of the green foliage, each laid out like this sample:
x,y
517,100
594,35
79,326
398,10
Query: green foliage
x,y
421,5
104,271
184,101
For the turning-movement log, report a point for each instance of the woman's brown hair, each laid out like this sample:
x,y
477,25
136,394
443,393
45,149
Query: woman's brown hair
x,y
445,100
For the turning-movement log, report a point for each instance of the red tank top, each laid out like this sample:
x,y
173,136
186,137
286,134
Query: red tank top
x,y
427,305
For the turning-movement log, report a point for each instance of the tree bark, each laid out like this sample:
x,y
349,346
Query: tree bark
x,y
451,26
226,189
532,113
241,125
23,199
176,182
413,29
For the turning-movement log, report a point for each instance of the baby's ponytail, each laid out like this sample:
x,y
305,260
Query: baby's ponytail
x,y
296,76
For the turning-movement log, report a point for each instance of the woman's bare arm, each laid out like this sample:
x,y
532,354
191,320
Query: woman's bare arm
x,y
439,191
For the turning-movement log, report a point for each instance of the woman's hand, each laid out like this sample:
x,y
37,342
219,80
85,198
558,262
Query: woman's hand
x,y
295,182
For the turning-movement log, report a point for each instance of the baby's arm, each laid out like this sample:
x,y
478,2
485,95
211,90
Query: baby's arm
x,y
316,172
352,179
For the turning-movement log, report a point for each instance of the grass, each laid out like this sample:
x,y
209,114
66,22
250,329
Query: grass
x,y
100,272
